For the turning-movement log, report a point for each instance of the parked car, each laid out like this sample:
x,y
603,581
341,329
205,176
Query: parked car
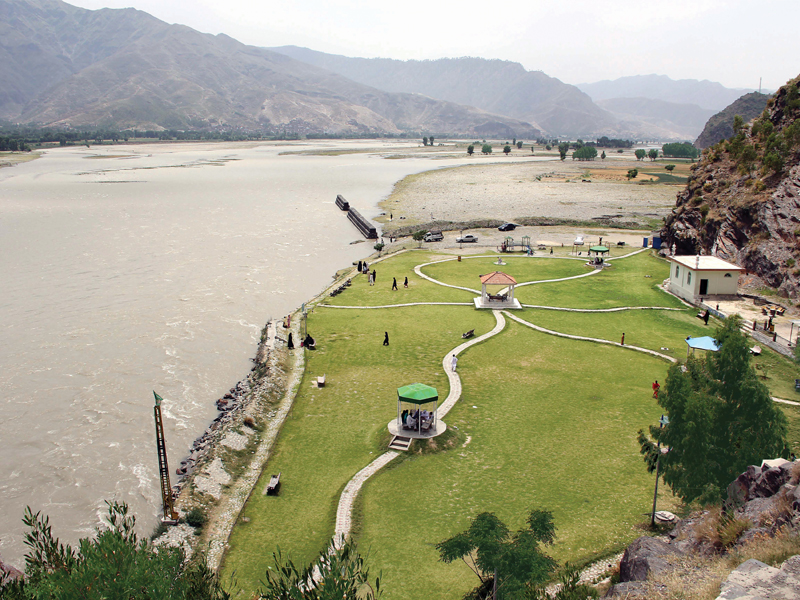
x,y
507,227
434,236
466,239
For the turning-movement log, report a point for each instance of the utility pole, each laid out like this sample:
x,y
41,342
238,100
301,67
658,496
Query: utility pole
x,y
663,421
170,515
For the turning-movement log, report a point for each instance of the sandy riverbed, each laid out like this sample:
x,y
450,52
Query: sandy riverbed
x,y
565,190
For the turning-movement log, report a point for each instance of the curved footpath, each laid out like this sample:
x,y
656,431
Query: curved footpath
x,y
348,497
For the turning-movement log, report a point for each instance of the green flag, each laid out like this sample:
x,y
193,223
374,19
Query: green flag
x,y
159,399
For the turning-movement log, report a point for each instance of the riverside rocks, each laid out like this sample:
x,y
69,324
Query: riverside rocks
x,y
643,557
753,580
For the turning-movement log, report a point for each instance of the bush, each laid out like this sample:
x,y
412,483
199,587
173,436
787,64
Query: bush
x,y
196,517
378,246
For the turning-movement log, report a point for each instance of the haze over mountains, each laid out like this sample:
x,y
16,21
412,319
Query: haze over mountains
x,y
65,66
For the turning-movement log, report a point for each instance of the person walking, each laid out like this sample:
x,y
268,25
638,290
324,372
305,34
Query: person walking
x,y
656,387
454,362
290,342
360,264
622,342
385,338
405,283
374,276
371,279
394,284
705,317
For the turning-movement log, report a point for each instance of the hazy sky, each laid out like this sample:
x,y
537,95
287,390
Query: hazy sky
x,y
731,41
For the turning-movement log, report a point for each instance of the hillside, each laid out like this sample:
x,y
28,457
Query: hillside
x,y
741,202
667,120
706,94
720,126
124,68
497,86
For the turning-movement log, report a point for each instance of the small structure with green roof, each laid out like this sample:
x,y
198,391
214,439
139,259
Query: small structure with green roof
x,y
414,420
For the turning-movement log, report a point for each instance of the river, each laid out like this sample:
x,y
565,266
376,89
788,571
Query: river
x,y
132,268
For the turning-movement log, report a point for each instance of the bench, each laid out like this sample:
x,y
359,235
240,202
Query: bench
x,y
468,334
501,297
321,381
274,485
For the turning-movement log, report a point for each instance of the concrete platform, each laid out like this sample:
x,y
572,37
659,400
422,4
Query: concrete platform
x,y
496,304
440,428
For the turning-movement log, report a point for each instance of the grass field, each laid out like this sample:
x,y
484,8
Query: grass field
x,y
543,422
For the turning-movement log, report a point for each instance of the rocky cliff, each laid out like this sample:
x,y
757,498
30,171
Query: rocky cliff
x,y
720,126
742,201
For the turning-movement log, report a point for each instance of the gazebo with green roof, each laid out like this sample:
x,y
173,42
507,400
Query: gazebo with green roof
x,y
412,420
601,252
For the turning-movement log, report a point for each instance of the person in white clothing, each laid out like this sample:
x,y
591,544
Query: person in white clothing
x,y
455,362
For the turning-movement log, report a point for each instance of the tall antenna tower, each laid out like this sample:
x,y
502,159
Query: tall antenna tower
x,y
170,515
759,85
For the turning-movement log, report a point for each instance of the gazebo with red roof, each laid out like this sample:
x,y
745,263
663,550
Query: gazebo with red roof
x,y
497,291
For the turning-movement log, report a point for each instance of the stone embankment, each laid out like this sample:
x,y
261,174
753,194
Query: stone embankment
x,y
763,505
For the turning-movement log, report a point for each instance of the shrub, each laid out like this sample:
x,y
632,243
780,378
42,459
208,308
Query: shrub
x,y
378,246
196,517
249,422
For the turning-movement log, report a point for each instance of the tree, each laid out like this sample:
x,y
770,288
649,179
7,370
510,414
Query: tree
x,y
519,146
652,154
563,148
680,150
425,141
603,155
640,154
721,419
632,173
504,563
336,574
430,140
418,236
738,124
507,149
669,168
585,153
486,149
114,564
514,143
470,149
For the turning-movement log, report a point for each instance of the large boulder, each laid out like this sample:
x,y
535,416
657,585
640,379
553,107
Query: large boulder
x,y
644,557
753,580
9,572
769,482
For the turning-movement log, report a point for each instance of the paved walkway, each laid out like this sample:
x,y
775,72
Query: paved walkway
x,y
399,305
782,401
345,508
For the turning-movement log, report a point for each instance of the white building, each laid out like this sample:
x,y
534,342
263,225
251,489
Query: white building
x,y
695,278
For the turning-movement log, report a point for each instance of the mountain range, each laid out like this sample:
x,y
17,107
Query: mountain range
x,y
64,66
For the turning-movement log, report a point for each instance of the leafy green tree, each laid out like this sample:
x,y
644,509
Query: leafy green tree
x,y
603,155
470,149
738,124
486,149
721,419
547,147
652,154
519,145
680,150
632,173
669,168
773,162
514,143
425,141
430,140
336,574
563,148
113,564
640,154
505,563
585,153
507,149
418,236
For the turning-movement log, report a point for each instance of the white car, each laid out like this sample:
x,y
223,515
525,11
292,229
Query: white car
x,y
466,239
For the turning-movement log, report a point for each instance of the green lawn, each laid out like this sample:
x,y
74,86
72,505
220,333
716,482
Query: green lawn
x,y
652,329
467,272
545,431
544,422
335,431
630,282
